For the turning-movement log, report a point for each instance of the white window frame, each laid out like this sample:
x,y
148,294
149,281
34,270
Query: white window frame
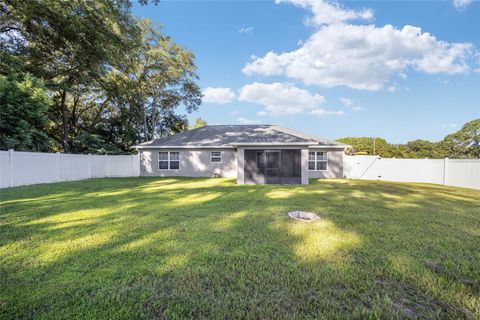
x,y
316,160
169,160
212,156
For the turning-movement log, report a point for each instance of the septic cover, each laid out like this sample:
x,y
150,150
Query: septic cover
x,y
303,216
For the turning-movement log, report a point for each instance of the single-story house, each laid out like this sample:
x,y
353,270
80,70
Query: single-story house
x,y
250,153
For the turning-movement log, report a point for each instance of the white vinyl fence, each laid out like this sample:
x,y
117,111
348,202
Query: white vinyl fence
x,y
451,172
22,168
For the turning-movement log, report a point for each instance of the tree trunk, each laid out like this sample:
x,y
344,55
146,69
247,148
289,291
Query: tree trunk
x,y
145,128
66,146
154,121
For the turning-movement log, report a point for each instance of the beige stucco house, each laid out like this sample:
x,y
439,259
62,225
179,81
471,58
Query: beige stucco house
x,y
249,153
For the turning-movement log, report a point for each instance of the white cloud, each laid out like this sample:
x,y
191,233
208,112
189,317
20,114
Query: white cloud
x,y
357,108
329,12
360,56
246,121
461,4
347,102
218,95
280,98
246,30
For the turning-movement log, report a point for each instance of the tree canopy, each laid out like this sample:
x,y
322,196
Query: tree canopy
x,y
465,143
113,80
24,103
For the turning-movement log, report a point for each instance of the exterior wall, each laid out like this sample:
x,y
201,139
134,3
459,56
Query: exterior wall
x,y
240,165
334,167
193,163
305,172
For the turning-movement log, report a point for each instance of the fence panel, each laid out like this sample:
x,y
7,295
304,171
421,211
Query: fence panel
x,y
122,166
74,167
460,173
464,173
34,167
23,168
98,166
357,166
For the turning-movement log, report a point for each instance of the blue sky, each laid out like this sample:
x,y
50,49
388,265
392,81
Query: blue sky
x,y
401,70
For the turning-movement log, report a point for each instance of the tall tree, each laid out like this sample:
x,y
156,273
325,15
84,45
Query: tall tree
x,y
156,78
113,81
69,44
465,143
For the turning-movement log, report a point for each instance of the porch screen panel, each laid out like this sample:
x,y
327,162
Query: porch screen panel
x,y
291,164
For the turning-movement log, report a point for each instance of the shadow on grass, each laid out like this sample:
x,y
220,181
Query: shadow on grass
x,y
207,248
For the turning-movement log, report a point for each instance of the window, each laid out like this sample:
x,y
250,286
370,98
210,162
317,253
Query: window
x,y
163,160
216,156
318,161
174,160
168,160
311,161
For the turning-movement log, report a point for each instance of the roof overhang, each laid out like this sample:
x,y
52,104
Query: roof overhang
x,y
248,144
183,147
328,147
309,144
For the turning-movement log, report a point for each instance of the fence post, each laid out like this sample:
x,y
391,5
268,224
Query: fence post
x,y
105,166
57,163
131,165
445,171
11,167
89,166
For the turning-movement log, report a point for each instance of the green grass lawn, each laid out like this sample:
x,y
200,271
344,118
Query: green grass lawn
x,y
176,248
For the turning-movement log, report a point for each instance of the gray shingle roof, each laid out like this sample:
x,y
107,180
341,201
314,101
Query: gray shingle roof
x,y
231,135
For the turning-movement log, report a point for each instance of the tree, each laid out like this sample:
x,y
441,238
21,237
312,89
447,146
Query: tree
x,y
23,107
465,143
89,54
69,44
423,149
372,146
199,122
156,78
